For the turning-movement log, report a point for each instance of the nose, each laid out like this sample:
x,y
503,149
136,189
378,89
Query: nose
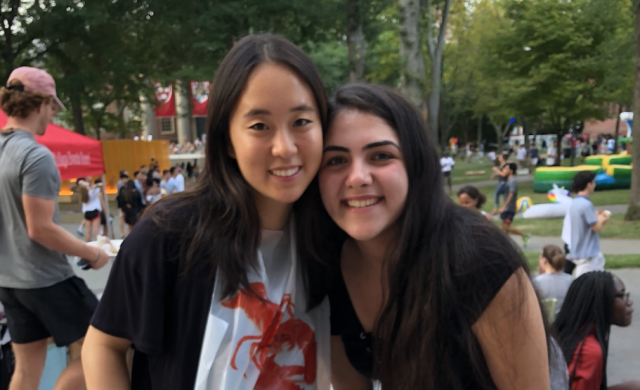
x,y
284,145
359,175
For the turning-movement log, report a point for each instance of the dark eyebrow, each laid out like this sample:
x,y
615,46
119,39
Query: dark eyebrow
x,y
332,148
378,144
257,111
302,107
262,111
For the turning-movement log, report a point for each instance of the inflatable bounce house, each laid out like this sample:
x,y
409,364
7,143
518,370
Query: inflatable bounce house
x,y
612,171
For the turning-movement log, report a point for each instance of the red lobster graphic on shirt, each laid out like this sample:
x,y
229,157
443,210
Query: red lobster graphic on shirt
x,y
276,337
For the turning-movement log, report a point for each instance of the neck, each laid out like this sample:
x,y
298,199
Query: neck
x,y
273,215
28,124
373,252
548,269
584,193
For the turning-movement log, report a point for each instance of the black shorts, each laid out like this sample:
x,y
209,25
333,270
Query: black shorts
x,y
61,311
92,215
447,174
507,216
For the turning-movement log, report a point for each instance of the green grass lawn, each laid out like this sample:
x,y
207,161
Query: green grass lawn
x,y
458,175
612,261
617,227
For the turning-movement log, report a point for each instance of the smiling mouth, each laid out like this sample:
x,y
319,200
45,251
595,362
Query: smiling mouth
x,y
362,203
285,172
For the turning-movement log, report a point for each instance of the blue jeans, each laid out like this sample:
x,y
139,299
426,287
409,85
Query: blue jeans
x,y
500,191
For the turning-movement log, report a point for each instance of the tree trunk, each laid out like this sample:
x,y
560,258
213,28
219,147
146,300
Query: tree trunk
x,y
479,131
465,130
76,111
436,49
525,132
355,41
617,131
559,151
412,63
633,212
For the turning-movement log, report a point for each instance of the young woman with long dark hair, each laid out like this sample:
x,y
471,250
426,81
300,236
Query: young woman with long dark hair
x,y
209,289
595,301
427,294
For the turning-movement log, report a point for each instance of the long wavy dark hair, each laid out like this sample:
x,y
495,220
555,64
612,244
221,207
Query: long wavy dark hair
x,y
588,306
223,230
438,244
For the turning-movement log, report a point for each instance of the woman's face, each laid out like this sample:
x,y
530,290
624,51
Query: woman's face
x,y
363,178
276,134
467,201
622,305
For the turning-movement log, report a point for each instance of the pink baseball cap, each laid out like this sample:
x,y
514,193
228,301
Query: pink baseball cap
x,y
36,81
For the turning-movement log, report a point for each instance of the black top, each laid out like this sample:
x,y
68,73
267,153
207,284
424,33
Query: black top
x,y
500,177
480,284
148,302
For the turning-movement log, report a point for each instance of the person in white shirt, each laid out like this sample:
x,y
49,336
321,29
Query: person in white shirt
x,y
177,176
521,155
447,164
552,154
91,208
492,155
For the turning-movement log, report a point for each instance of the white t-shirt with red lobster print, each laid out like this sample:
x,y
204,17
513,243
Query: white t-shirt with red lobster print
x,y
267,340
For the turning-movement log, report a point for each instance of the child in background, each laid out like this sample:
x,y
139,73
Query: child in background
x,y
508,210
552,281
470,196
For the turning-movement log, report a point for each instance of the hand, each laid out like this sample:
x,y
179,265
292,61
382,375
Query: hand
x,y
501,210
603,217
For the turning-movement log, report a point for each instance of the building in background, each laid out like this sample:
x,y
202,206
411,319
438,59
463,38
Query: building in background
x,y
179,114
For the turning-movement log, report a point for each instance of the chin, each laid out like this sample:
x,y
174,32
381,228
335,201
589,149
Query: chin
x,y
363,233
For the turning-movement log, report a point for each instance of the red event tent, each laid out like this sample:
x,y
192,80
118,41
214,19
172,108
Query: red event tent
x,y
75,154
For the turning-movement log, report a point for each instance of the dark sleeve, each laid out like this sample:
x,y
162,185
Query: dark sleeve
x,y
479,279
132,306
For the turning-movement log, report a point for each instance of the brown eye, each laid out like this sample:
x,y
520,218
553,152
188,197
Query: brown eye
x,y
301,122
259,126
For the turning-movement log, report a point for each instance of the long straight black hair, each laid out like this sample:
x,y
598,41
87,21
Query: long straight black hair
x,y
587,307
438,244
223,231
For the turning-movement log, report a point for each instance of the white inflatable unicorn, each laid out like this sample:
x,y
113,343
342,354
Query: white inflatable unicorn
x,y
561,201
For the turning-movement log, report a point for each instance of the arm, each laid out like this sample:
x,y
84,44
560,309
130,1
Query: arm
x,y
602,219
512,337
343,375
41,228
104,360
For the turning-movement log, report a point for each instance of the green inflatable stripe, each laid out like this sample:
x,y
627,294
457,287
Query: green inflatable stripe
x,y
593,160
624,160
561,174
543,186
618,184
620,172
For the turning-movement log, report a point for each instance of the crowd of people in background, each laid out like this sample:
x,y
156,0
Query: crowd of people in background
x,y
148,186
539,152
186,147
582,301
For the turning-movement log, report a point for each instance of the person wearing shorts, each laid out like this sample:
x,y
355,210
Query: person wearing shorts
x,y
40,293
447,163
508,210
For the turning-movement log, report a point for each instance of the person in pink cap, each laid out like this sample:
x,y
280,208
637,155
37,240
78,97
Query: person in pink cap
x,y
40,293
